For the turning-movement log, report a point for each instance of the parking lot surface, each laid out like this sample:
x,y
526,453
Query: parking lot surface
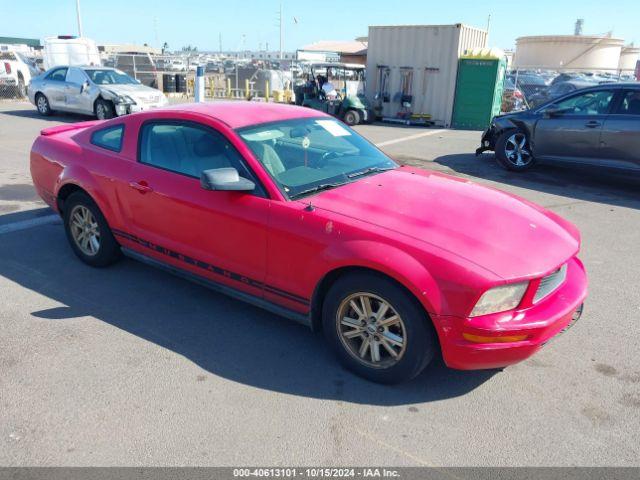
x,y
131,366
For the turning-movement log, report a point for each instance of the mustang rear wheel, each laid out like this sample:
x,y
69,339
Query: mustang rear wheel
x,y
87,231
377,329
513,151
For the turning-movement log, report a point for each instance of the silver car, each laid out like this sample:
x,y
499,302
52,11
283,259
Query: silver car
x,y
100,91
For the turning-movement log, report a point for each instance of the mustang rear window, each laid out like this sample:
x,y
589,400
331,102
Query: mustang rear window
x,y
109,138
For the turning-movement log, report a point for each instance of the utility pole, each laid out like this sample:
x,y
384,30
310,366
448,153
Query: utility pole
x,y
155,30
79,19
220,41
488,25
281,33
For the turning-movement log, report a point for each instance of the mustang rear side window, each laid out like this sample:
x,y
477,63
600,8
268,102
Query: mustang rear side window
x,y
109,138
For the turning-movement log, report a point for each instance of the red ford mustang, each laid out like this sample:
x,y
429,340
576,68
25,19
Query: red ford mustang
x,y
291,210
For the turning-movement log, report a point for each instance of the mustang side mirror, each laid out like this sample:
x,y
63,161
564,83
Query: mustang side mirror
x,y
225,179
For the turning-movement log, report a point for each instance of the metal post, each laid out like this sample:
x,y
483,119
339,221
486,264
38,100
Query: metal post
x,y
237,85
135,72
267,93
199,84
79,18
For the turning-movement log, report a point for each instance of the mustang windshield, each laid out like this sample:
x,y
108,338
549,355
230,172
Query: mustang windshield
x,y
307,155
110,77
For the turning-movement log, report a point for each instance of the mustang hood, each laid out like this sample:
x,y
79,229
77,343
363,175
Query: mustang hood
x,y
495,230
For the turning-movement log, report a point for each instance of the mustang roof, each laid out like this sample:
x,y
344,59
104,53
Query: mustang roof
x,y
238,114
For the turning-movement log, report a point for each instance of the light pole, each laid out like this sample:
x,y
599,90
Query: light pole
x,y
79,19
281,32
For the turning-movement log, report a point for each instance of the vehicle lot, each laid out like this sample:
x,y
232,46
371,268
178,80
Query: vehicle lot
x,y
131,366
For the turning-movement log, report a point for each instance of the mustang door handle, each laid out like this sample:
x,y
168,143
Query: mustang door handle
x,y
592,124
142,187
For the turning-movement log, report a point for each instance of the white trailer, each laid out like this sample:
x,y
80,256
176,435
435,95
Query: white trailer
x,y
68,50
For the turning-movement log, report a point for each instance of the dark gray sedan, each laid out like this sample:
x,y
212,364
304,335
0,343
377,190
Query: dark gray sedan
x,y
597,126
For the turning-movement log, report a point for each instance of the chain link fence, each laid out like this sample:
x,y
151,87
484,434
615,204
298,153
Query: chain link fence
x,y
531,87
174,75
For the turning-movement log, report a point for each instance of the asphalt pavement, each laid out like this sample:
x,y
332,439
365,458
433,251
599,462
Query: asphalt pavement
x,y
131,366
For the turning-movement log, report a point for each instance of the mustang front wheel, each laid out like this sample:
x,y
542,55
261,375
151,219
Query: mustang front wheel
x,y
88,232
377,329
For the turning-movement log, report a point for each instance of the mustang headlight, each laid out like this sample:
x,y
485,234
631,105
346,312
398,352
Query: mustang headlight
x,y
500,299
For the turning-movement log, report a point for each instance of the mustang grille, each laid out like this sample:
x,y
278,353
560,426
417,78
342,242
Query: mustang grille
x,y
550,283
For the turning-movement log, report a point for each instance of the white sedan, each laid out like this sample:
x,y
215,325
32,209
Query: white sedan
x,y
100,91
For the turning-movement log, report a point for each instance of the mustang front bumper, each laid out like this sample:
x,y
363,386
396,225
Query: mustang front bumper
x,y
538,323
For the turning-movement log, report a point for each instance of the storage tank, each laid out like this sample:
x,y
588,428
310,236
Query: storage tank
x,y
629,58
413,68
568,51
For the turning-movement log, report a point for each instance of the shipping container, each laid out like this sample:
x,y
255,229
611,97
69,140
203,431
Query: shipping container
x,y
413,68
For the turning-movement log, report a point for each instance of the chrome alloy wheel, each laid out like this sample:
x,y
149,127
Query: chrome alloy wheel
x,y
371,330
85,230
42,104
517,150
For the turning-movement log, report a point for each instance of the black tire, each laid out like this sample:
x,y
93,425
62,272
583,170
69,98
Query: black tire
x,y
109,250
521,159
42,105
22,88
351,117
104,109
418,331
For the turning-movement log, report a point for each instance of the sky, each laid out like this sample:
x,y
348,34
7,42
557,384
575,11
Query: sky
x,y
253,23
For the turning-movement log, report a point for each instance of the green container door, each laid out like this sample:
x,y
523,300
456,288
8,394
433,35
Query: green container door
x,y
478,92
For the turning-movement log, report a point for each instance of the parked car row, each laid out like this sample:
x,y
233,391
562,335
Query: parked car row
x,y
539,87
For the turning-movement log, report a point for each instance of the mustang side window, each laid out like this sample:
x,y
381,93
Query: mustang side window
x,y
109,138
189,150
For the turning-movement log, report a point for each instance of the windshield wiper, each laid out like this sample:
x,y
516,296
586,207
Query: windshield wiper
x,y
369,170
318,188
